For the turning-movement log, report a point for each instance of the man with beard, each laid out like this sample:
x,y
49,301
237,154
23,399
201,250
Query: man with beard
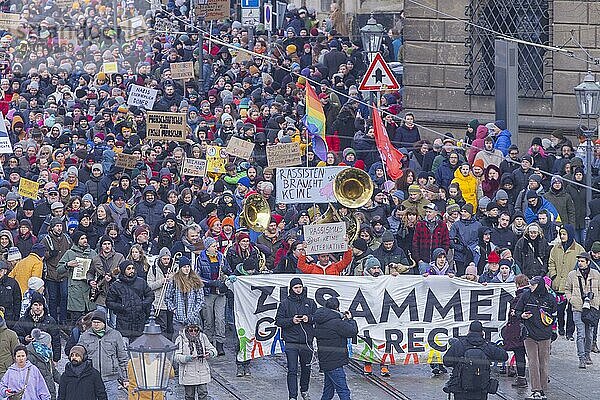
x,y
150,208
80,381
190,244
430,233
100,274
502,235
295,317
130,298
392,258
271,239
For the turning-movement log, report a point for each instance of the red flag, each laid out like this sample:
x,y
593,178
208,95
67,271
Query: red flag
x,y
391,157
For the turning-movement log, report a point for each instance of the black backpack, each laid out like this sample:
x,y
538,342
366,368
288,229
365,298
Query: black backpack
x,y
474,371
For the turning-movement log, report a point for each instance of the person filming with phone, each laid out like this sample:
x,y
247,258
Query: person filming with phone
x,y
295,317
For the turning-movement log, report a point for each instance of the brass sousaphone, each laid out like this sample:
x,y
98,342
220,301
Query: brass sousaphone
x,y
256,213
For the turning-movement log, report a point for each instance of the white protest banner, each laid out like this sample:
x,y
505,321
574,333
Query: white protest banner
x,y
193,167
401,319
240,148
284,155
166,126
5,145
141,96
325,238
182,70
306,184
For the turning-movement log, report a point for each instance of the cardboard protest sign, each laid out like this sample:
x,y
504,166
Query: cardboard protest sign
x,y
9,22
306,184
28,188
126,161
182,70
67,37
240,148
284,155
407,319
64,4
141,96
325,238
166,126
216,158
194,167
212,10
133,27
110,67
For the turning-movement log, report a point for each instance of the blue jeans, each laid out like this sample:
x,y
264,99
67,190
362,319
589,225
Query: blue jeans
x,y
335,381
57,300
112,389
584,336
294,353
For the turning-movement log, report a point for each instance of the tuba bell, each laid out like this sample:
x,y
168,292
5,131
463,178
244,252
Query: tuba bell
x,y
351,220
256,213
353,187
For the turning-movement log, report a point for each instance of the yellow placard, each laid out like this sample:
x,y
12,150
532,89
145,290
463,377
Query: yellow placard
x,y
110,68
28,188
216,158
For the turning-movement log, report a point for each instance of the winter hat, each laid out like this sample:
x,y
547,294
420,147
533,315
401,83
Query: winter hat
x,y
476,326
228,221
531,194
211,221
141,229
371,262
438,252
73,223
452,208
170,208
35,283
536,140
493,258
555,178
479,163
276,218
55,221
164,252
241,236
501,195
13,254
209,242
595,247
38,298
471,270
245,181
295,281
387,236
536,178
468,207
361,244
99,315
28,205
183,260
332,303
41,337
76,236
56,205
73,171
79,350
39,249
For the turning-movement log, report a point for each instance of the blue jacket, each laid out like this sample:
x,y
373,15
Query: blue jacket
x,y
503,141
206,269
531,215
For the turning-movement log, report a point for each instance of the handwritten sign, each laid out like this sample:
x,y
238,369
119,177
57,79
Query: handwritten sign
x,y
134,27
141,96
216,158
64,4
284,155
9,21
110,67
325,238
182,70
126,161
306,184
193,167
67,37
240,148
212,10
166,126
28,188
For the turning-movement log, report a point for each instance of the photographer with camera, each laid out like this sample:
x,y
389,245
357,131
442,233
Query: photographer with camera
x,y
332,330
582,289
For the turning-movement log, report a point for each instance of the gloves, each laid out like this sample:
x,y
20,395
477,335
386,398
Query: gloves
x,y
232,278
188,359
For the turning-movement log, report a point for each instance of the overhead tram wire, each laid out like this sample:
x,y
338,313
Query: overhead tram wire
x,y
210,37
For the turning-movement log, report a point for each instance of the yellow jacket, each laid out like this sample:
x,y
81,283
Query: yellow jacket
x,y
468,187
30,266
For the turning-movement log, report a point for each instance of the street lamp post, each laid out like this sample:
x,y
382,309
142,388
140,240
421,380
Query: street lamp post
x,y
587,94
372,36
152,359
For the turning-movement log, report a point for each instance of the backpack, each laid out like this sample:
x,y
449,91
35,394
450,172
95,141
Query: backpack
x,y
474,371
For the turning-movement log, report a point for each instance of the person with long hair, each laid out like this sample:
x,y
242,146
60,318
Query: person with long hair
x,y
185,296
511,333
138,256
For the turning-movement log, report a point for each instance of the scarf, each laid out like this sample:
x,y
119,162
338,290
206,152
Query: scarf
x,y
195,343
36,318
100,333
43,351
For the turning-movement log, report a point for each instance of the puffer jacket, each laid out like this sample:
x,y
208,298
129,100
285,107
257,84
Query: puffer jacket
x,y
107,353
591,284
79,290
194,371
30,266
209,273
46,367
332,333
468,187
131,300
8,341
10,299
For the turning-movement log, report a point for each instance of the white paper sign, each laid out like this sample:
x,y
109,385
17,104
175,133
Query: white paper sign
x,y
306,184
325,238
193,167
402,320
141,96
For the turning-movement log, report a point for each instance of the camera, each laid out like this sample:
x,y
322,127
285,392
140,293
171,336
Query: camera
x,y
586,300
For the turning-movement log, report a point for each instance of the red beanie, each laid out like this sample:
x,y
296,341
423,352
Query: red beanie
x,y
211,221
493,257
277,218
242,235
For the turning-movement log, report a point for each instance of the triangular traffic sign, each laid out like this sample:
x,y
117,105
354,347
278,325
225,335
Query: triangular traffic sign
x,y
379,76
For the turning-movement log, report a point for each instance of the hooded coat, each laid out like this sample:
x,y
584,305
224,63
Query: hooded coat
x,y
292,305
16,378
563,258
79,290
152,212
332,333
30,266
478,144
10,299
503,140
468,187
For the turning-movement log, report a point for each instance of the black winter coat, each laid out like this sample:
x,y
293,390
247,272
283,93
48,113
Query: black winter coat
x,y
47,324
332,333
87,386
532,263
131,300
452,358
10,299
533,301
302,333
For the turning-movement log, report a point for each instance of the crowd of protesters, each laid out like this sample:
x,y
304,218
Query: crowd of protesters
x,y
472,206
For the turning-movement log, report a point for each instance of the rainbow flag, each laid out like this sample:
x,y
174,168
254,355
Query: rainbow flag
x,y
314,120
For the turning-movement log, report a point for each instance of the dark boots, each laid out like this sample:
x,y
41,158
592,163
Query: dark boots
x,y
220,350
520,382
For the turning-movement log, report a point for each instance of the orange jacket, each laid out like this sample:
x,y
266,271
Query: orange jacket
x,y
332,269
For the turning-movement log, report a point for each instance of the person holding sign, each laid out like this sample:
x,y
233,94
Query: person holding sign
x,y
324,265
